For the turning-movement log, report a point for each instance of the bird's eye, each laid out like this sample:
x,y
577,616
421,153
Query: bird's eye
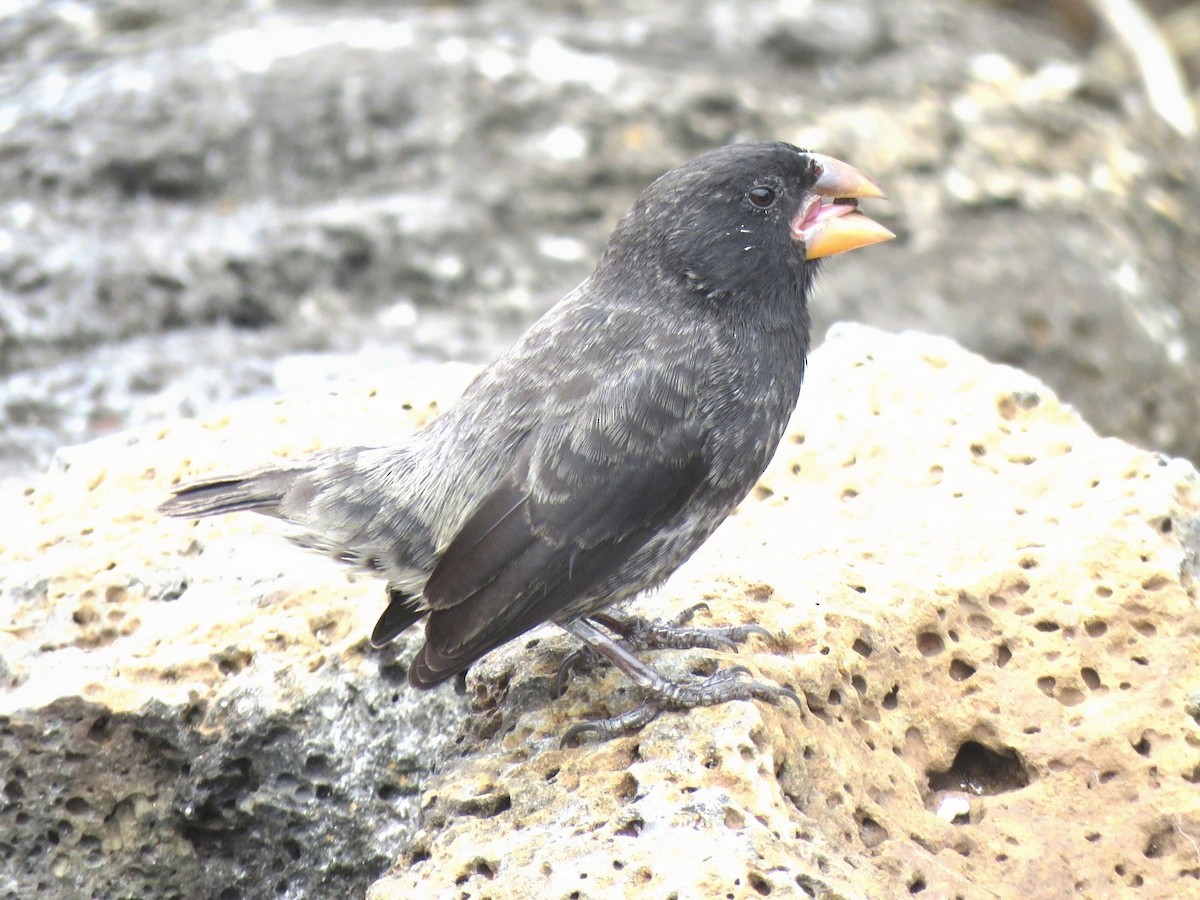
x,y
762,197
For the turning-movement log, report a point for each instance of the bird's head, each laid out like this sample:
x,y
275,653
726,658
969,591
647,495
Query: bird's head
x,y
746,214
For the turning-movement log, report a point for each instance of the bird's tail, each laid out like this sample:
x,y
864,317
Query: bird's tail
x,y
260,491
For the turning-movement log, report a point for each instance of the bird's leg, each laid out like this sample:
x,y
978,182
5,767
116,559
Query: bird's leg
x,y
638,633
728,684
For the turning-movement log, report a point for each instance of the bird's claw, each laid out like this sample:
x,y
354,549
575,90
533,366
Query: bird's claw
x,y
573,659
729,684
638,633
614,726
675,634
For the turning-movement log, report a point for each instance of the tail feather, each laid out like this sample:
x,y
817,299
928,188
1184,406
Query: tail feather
x,y
260,491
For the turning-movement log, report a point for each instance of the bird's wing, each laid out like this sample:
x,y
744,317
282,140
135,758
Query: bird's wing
x,y
574,507
403,609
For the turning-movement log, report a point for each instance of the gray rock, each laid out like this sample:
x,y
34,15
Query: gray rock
x,y
195,712
236,800
423,181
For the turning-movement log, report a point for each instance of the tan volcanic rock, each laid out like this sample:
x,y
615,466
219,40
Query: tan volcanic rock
x,y
190,708
990,613
987,608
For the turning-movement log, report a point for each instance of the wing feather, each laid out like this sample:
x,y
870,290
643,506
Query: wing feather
x,y
547,535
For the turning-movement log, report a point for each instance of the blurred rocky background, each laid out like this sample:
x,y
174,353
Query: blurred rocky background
x,y
200,201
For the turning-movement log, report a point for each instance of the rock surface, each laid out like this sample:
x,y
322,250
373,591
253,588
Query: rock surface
x,y
988,609
990,612
193,194
192,709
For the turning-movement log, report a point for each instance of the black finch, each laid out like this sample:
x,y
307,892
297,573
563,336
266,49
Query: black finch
x,y
588,462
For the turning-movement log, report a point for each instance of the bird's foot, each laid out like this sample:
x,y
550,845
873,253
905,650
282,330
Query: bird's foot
x,y
734,683
728,684
638,633
675,633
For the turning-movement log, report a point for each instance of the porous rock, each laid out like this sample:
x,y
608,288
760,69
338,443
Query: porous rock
x,y
190,708
989,611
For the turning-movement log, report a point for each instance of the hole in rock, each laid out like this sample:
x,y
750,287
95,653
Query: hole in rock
x,y
960,670
981,625
632,827
487,805
1095,628
393,672
484,868
760,884
981,770
1161,843
930,643
1070,696
317,766
387,792
99,729
871,832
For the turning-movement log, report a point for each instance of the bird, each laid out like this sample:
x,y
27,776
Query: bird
x,y
586,463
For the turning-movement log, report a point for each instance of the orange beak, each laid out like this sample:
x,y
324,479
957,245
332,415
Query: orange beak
x,y
828,221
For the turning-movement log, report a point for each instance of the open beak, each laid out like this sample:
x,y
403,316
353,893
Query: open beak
x,y
828,221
